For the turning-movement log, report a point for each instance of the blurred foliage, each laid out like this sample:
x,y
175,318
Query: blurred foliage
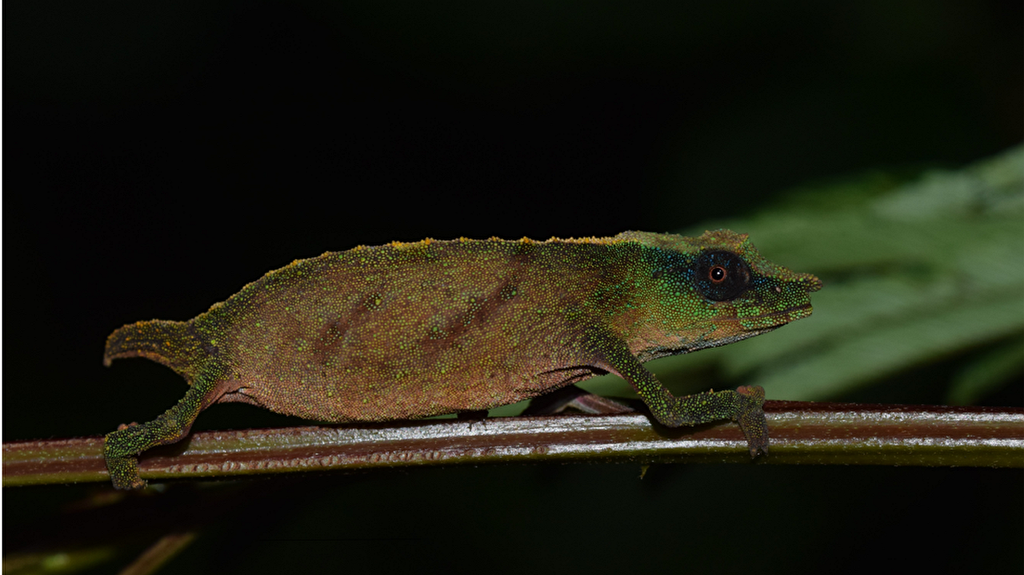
x,y
56,562
149,135
915,272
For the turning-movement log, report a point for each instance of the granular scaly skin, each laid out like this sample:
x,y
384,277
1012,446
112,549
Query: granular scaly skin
x,y
411,330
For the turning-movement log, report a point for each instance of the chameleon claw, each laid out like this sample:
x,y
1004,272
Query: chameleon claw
x,y
754,393
122,463
124,473
751,418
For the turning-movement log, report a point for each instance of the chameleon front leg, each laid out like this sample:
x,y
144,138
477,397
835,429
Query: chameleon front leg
x,y
121,448
743,405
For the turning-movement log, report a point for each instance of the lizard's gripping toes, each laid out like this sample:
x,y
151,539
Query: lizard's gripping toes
x,y
750,416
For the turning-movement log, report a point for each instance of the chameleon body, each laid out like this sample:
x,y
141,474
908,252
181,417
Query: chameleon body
x,y
411,330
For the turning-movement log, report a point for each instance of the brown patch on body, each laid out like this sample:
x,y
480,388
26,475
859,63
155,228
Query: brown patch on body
x,y
447,330
331,339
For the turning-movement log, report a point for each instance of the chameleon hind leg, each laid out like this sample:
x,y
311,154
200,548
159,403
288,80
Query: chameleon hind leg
x,y
121,448
573,397
744,405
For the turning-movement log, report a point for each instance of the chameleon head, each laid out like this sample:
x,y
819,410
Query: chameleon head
x,y
759,294
716,288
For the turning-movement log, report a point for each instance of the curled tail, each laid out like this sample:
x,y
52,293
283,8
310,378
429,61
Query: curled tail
x,y
172,343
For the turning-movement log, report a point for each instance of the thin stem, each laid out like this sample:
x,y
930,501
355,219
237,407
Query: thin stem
x,y
801,433
162,551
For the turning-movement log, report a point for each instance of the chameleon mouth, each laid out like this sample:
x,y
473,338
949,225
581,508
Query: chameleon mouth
x,y
769,319
775,318
800,311
739,336
732,329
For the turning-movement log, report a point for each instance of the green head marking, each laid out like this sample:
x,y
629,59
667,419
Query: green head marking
x,y
715,289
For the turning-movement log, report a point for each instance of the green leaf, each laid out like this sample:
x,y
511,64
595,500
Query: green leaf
x,y
988,373
914,272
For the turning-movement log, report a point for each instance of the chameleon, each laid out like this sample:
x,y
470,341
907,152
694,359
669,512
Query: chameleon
x,y
410,330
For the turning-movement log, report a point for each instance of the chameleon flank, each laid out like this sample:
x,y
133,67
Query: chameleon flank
x,y
411,330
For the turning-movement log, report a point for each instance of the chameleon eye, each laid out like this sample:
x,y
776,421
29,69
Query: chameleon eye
x,y
721,275
717,274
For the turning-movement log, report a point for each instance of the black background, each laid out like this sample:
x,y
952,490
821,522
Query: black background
x,y
159,156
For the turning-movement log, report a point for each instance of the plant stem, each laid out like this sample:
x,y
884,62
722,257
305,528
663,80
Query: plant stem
x,y
159,553
801,433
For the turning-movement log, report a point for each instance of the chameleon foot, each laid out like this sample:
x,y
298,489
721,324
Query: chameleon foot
x,y
751,418
124,473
